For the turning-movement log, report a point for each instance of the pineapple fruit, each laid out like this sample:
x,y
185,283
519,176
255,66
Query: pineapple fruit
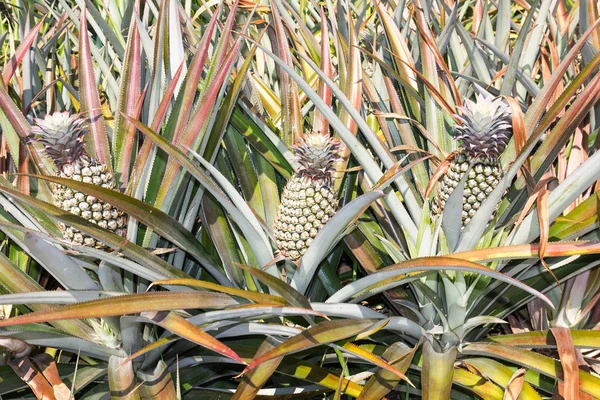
x,y
62,137
484,130
308,199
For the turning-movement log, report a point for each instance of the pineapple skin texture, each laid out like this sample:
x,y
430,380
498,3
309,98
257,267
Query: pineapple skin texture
x,y
482,179
86,206
62,136
307,203
483,133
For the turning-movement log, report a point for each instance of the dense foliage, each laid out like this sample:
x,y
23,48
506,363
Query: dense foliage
x,y
187,113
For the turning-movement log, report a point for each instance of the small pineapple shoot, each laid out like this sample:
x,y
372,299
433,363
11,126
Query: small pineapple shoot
x,y
484,130
62,136
308,199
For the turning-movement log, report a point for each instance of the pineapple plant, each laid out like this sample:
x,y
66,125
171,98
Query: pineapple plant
x,y
433,321
62,136
308,199
483,132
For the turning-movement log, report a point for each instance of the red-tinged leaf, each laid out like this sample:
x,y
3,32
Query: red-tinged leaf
x,y
150,347
21,52
399,48
23,183
194,74
290,104
321,334
47,366
97,139
185,329
130,102
352,81
284,290
320,123
435,94
126,304
27,372
582,339
143,154
22,128
518,123
253,296
537,109
535,194
439,172
368,356
568,359
543,220
565,96
198,119
553,249
255,379
445,73
248,310
166,100
225,42
515,385
566,126
589,307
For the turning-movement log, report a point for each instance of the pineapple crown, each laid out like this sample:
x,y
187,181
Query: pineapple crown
x,y
316,153
485,127
62,137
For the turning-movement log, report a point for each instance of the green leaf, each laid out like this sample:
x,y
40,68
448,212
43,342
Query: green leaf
x,y
328,237
238,209
185,329
400,271
543,364
323,333
437,372
501,375
383,381
284,290
164,224
256,378
129,249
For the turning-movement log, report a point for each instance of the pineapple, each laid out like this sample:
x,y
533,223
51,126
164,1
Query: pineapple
x,y
483,133
308,199
62,137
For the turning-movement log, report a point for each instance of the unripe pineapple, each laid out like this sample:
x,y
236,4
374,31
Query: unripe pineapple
x,y
62,137
483,133
308,199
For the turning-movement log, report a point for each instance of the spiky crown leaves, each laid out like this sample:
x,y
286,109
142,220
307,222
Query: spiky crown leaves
x,y
485,127
316,154
62,137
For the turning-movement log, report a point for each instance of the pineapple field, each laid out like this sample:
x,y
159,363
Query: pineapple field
x,y
300,199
